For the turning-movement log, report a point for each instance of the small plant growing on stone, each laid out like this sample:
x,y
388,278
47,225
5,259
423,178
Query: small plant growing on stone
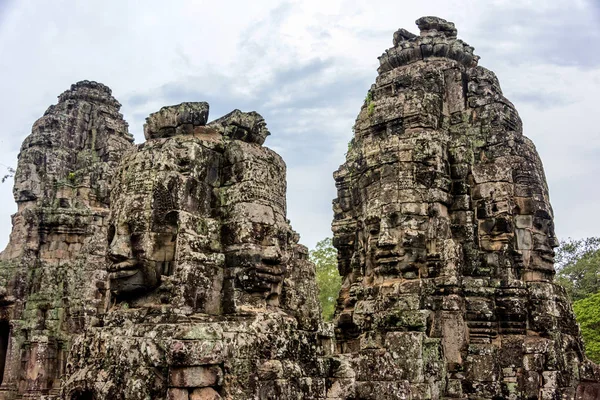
x,y
369,98
71,177
350,144
369,103
370,109
10,173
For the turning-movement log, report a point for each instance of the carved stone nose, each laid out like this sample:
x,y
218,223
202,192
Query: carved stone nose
x,y
272,254
385,239
120,248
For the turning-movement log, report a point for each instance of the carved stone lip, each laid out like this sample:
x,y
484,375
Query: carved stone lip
x,y
389,260
123,269
123,274
269,273
382,255
269,277
273,270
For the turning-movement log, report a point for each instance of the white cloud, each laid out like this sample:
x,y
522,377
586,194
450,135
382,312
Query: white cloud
x,y
304,65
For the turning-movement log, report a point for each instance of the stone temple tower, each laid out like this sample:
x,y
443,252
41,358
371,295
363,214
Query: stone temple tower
x,y
169,270
445,240
51,287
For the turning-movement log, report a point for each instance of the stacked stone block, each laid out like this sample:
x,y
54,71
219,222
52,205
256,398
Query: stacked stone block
x,y
445,239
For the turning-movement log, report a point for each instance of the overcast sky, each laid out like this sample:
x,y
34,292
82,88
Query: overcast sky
x,y
306,67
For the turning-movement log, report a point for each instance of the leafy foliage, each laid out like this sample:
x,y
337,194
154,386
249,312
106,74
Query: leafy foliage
x,y
324,255
588,315
350,145
369,103
371,109
369,98
10,172
578,264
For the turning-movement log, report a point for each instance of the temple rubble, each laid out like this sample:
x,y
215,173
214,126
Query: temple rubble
x,y
168,269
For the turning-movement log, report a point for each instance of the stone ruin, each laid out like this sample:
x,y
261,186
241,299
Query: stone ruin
x,y
162,270
52,276
445,240
168,269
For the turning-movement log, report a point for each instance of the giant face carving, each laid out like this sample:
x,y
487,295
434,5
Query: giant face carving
x,y
175,179
256,236
142,232
393,238
258,249
138,259
394,245
164,181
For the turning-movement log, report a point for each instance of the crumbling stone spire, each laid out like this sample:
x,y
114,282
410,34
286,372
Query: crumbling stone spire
x,y
445,240
51,278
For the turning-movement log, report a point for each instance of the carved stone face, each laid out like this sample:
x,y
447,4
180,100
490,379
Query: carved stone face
x,y
394,245
256,237
543,243
138,259
167,219
166,180
258,250
141,241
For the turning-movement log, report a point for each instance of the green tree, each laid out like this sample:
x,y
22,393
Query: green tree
x,y
578,264
588,315
324,255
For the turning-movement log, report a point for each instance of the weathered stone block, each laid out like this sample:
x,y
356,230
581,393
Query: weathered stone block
x,y
199,376
177,394
158,124
270,370
340,388
195,352
205,394
405,345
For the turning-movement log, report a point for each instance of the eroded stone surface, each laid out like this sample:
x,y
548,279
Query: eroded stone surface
x,y
209,285
445,239
176,120
168,270
50,275
162,270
